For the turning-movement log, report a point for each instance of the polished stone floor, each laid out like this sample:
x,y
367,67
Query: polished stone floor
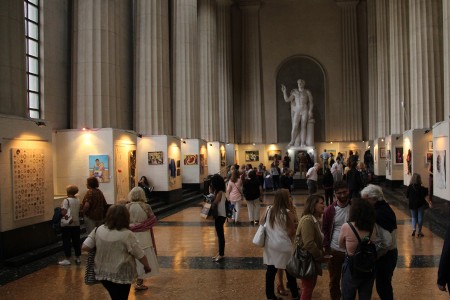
x,y
185,244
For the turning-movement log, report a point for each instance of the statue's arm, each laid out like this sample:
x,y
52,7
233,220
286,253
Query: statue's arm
x,y
310,105
286,98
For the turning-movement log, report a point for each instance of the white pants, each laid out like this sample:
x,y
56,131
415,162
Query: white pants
x,y
253,210
237,209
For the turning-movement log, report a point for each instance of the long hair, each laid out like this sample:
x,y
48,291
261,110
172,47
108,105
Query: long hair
x,y
363,214
310,205
235,175
278,212
137,194
415,179
117,217
217,183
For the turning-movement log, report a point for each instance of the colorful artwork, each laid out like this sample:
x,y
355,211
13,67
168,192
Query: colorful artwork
x,y
191,159
251,156
28,175
429,157
223,159
382,153
202,163
156,158
441,172
274,154
99,167
398,155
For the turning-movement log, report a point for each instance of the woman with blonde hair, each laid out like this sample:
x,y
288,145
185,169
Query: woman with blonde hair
x,y
280,229
142,220
416,194
234,192
309,236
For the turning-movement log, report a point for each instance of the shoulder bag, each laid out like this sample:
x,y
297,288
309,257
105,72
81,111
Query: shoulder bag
x,y
260,236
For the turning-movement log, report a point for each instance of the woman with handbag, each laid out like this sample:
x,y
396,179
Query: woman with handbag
x,y
416,194
234,192
142,220
280,228
70,226
217,188
116,250
310,238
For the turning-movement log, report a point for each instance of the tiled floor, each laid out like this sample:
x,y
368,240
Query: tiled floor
x,y
185,243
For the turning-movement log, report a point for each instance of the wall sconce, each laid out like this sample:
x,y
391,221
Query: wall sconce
x,y
139,135
397,138
184,142
426,131
41,124
85,128
253,144
210,145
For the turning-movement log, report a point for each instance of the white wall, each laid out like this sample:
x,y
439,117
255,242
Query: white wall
x,y
16,132
441,132
191,173
214,161
416,140
379,152
394,171
159,175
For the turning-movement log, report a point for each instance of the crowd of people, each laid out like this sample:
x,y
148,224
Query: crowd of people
x,y
331,229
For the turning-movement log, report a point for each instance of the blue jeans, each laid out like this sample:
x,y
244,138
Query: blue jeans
x,y
385,266
417,217
351,285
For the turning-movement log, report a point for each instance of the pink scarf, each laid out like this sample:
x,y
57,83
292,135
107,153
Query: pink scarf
x,y
145,225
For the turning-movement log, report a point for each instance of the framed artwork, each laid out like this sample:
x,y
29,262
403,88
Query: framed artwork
x,y
332,152
398,155
99,167
223,159
155,158
441,172
382,153
375,156
178,163
191,159
430,146
388,154
178,172
274,154
429,157
251,156
202,163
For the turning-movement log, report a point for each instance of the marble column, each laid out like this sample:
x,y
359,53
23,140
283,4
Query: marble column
x,y
153,114
225,87
399,66
446,58
208,92
185,69
383,87
13,87
351,121
427,102
372,68
102,64
251,94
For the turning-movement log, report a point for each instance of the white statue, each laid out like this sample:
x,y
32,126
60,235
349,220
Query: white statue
x,y
301,111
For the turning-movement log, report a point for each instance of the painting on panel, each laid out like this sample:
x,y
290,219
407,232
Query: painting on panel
x,y
191,159
155,158
441,172
251,156
99,167
398,155
274,154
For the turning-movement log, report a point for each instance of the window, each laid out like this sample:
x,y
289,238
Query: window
x,y
31,10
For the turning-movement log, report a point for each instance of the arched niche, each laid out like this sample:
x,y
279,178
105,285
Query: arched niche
x,y
289,71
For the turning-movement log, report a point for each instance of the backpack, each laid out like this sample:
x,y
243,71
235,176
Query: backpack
x,y
56,219
362,263
229,208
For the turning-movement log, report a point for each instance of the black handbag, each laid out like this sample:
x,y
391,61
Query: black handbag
x,y
301,264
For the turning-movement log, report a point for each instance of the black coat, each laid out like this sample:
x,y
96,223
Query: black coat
x,y
416,195
444,263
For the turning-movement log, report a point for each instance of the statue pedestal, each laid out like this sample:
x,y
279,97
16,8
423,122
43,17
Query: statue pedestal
x,y
299,166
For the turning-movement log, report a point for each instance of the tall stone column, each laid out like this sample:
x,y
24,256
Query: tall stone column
x,y
399,66
102,91
251,95
351,93
209,102
185,69
153,114
427,102
383,87
225,87
446,58
13,87
372,68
